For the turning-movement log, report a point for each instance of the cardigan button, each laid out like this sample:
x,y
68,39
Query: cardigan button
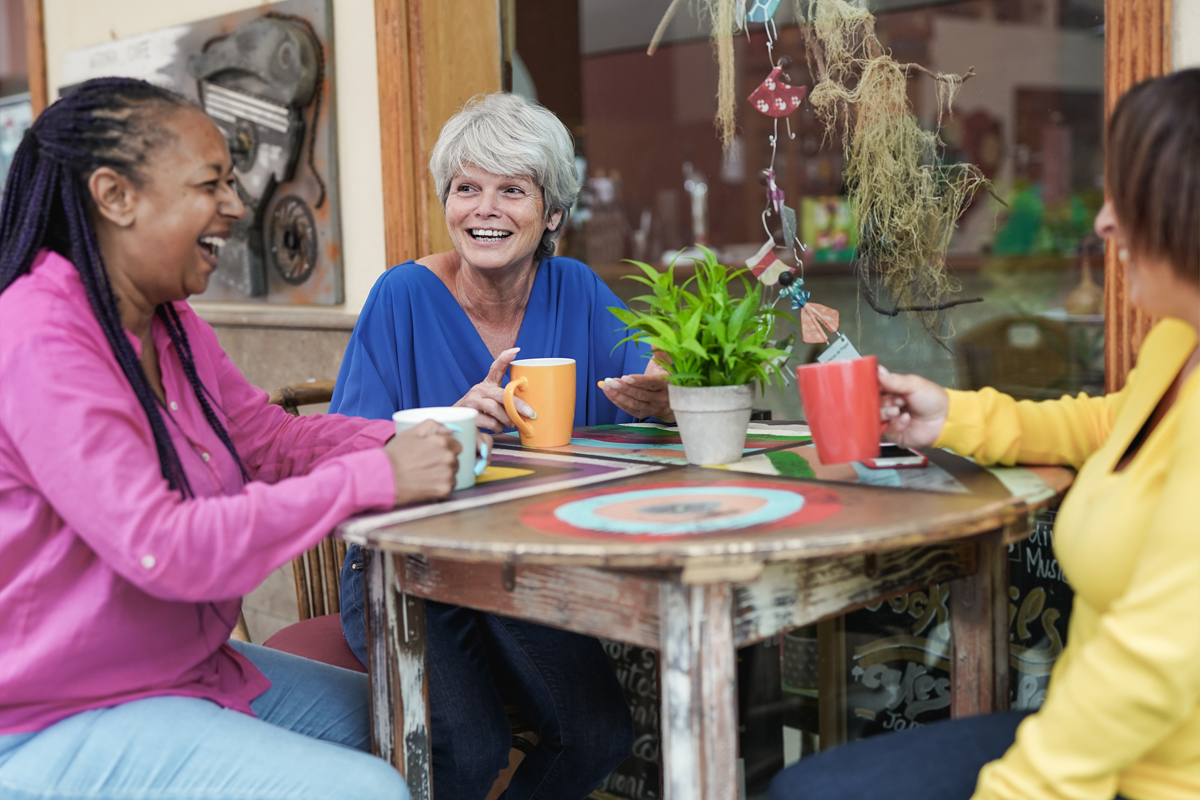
x,y
205,457
174,406
148,562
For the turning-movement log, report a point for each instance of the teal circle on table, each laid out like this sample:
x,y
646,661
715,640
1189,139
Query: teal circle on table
x,y
679,511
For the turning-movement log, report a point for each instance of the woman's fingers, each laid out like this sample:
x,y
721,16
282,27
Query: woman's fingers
x,y
482,397
647,393
500,365
639,396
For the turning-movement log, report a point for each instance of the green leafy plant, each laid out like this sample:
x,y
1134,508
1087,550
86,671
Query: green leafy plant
x,y
709,337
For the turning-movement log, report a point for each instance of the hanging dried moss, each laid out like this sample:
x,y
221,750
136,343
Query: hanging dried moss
x,y
906,200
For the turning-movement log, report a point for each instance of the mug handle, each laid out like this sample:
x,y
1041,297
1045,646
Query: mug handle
x,y
524,427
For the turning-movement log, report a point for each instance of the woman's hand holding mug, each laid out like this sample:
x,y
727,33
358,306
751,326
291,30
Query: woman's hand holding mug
x,y
914,408
424,462
487,396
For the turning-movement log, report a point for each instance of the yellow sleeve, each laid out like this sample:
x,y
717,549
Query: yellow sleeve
x,y
993,428
1128,687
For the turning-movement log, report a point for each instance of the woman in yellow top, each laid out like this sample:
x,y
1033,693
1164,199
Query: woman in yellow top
x,y
1122,714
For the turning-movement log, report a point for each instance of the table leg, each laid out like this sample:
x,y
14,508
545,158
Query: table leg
x,y
699,693
396,654
409,646
979,632
379,662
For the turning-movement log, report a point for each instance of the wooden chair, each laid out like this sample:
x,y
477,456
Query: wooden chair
x,y
318,571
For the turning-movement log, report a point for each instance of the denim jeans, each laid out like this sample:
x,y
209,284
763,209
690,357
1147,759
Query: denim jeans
x,y
309,741
476,662
937,762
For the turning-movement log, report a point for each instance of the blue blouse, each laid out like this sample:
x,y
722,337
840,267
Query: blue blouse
x,y
415,347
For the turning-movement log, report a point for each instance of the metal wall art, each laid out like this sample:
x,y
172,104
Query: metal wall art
x,y
265,76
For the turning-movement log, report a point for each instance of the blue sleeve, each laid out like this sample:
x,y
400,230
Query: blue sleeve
x,y
368,384
627,358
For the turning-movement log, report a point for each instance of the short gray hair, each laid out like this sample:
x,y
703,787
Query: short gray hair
x,y
505,134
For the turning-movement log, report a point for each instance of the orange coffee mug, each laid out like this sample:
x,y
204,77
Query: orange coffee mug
x,y
841,404
548,385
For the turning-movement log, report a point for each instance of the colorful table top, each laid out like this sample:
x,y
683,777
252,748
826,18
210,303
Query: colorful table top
x,y
620,496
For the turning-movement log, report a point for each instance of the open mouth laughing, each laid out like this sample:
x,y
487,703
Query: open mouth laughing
x,y
210,248
488,234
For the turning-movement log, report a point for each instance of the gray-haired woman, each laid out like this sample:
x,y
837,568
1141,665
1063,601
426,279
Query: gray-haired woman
x,y
442,331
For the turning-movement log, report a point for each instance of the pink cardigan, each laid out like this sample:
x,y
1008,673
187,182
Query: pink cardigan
x,y
113,588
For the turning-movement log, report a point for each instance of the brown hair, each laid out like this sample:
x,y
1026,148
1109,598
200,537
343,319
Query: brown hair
x,y
1154,169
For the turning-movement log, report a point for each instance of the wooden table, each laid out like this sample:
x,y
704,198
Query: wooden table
x,y
695,599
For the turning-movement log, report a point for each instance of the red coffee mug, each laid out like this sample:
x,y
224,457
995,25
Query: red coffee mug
x,y
841,404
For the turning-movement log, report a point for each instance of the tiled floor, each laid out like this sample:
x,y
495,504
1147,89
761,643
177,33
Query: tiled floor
x,y
272,605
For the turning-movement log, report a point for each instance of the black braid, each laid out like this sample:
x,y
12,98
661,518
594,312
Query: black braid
x,y
170,318
108,122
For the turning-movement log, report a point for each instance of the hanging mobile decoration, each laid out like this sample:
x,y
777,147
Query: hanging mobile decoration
x,y
777,99
761,10
906,196
812,315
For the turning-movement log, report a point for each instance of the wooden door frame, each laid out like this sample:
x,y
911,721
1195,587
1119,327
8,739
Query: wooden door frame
x,y
430,64
35,54
1137,46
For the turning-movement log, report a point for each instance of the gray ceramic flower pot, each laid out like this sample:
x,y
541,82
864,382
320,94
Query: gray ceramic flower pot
x,y
712,421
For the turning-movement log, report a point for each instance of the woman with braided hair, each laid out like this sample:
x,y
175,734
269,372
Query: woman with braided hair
x,y
145,486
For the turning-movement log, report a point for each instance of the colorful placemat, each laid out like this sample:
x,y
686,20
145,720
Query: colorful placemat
x,y
511,475
656,443
671,510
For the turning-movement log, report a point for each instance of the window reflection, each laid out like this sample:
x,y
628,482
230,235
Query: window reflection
x,y
657,180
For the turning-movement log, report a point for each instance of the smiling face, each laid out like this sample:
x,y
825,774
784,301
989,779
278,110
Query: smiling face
x,y
496,221
163,234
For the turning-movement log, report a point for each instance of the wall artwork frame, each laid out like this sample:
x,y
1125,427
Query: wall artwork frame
x,y
266,78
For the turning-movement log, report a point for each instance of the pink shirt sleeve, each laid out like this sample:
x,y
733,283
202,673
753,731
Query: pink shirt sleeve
x,y
272,443
97,467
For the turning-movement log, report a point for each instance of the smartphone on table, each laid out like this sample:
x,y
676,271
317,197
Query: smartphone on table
x,y
893,456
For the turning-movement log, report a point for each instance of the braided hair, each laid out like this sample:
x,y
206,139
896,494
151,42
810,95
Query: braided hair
x,y
107,122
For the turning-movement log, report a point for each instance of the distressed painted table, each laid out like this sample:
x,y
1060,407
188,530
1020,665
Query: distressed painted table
x,y
559,559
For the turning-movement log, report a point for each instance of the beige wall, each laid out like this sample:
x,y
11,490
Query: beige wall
x,y
1186,39
79,23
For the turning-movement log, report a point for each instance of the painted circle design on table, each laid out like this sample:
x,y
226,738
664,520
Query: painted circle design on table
x,y
676,510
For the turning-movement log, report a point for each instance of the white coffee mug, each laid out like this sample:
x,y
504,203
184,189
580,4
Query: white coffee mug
x,y
461,421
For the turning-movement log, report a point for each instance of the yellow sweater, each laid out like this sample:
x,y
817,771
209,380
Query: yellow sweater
x,y
1122,714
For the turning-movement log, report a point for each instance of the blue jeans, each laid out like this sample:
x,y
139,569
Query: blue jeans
x,y
562,681
309,741
940,761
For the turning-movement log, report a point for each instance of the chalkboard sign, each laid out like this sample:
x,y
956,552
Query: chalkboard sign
x,y
1038,612
898,651
898,660
639,776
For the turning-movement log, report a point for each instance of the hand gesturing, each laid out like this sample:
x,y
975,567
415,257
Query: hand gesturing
x,y
487,396
641,396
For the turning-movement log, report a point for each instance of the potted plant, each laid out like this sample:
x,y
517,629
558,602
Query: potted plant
x,y
714,347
